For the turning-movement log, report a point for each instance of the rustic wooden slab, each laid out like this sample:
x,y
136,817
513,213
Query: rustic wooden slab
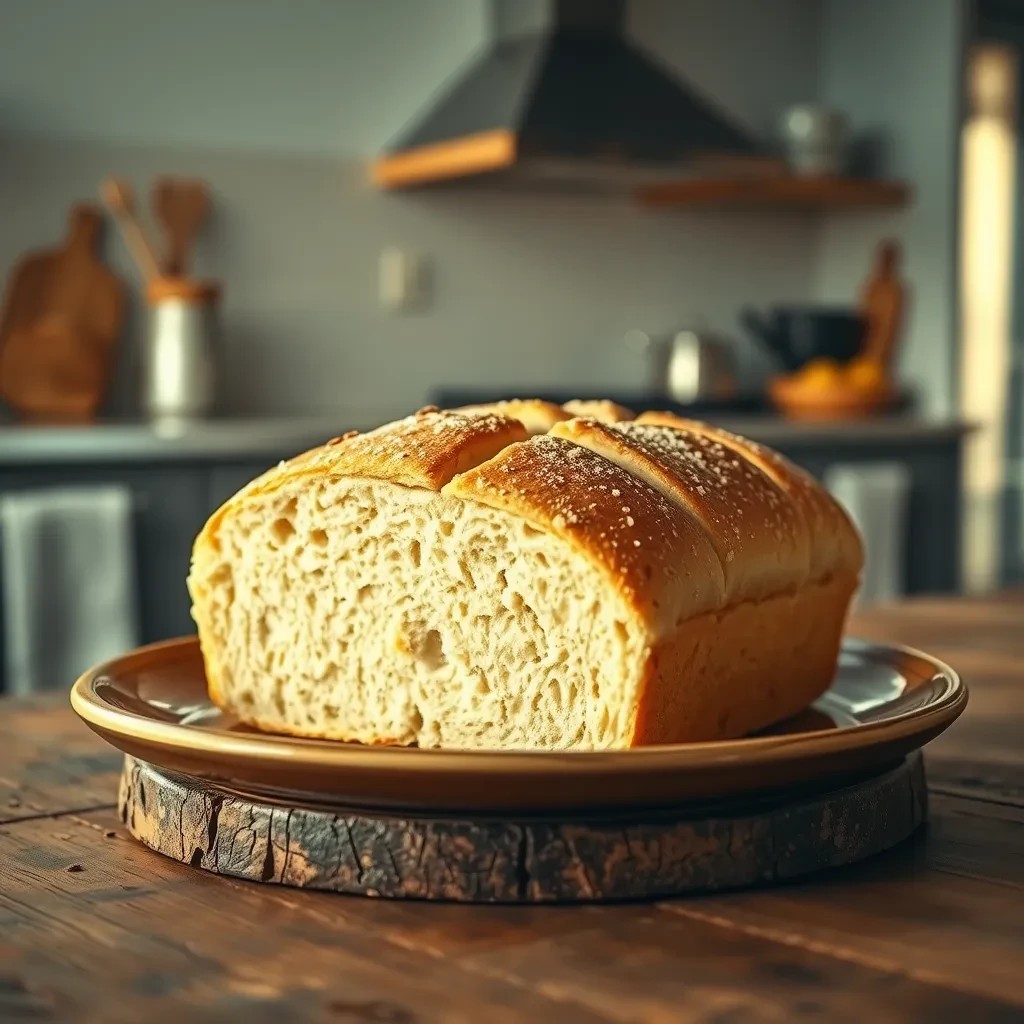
x,y
666,853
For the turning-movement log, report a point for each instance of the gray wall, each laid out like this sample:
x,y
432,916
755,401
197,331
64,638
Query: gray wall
x,y
895,66
293,76
333,76
278,104
529,291
752,57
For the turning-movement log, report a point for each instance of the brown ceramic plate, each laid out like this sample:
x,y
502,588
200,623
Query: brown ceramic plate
x,y
884,702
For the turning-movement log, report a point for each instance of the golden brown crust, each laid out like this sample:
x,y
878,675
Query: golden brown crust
x,y
754,527
835,544
424,450
537,416
699,678
599,409
652,550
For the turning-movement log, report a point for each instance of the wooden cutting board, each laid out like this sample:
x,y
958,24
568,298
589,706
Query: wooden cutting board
x,y
61,317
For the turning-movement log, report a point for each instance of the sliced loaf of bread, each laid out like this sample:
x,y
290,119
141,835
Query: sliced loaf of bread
x,y
525,576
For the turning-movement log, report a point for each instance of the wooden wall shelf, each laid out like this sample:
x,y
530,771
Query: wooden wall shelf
x,y
779,193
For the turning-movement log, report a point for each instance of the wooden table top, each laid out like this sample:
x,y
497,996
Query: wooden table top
x,y
95,927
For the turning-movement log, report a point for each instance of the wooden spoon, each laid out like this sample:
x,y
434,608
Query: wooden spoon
x,y
182,206
120,200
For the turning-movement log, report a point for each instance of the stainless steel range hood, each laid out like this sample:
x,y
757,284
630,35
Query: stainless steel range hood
x,y
562,98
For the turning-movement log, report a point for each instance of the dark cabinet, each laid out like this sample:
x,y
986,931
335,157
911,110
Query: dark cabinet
x,y
932,548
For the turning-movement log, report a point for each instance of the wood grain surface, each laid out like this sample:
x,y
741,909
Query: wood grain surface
x,y
94,927
779,192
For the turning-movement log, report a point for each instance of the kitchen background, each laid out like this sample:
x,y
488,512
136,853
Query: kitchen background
x,y
343,303
280,106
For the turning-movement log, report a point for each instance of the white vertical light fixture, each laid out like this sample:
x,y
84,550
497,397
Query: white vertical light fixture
x,y
988,174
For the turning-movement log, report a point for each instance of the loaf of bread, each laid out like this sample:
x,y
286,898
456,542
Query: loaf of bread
x,y
525,576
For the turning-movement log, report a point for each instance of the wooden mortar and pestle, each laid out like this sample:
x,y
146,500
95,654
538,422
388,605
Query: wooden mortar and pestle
x,y
179,361
866,385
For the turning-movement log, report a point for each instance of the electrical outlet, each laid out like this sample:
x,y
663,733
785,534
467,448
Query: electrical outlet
x,y
404,280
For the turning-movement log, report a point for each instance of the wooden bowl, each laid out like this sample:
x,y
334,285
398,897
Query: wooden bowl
x,y
799,401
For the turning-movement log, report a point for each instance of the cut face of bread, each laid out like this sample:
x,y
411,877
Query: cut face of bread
x,y
468,580
364,611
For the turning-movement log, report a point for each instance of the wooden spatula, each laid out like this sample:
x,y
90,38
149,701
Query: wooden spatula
x,y
181,205
120,200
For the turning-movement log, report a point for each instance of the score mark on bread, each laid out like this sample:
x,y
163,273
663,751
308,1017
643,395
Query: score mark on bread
x,y
520,576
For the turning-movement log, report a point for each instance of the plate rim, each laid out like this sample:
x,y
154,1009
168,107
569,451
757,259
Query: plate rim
x,y
746,751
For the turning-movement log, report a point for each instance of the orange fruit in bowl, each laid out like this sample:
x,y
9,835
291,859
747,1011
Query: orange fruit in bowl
x,y
865,375
819,374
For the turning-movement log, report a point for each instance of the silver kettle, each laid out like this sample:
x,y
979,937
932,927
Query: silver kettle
x,y
688,365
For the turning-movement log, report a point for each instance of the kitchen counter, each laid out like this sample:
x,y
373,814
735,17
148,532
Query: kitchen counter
x,y
126,442
211,440
97,927
778,432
